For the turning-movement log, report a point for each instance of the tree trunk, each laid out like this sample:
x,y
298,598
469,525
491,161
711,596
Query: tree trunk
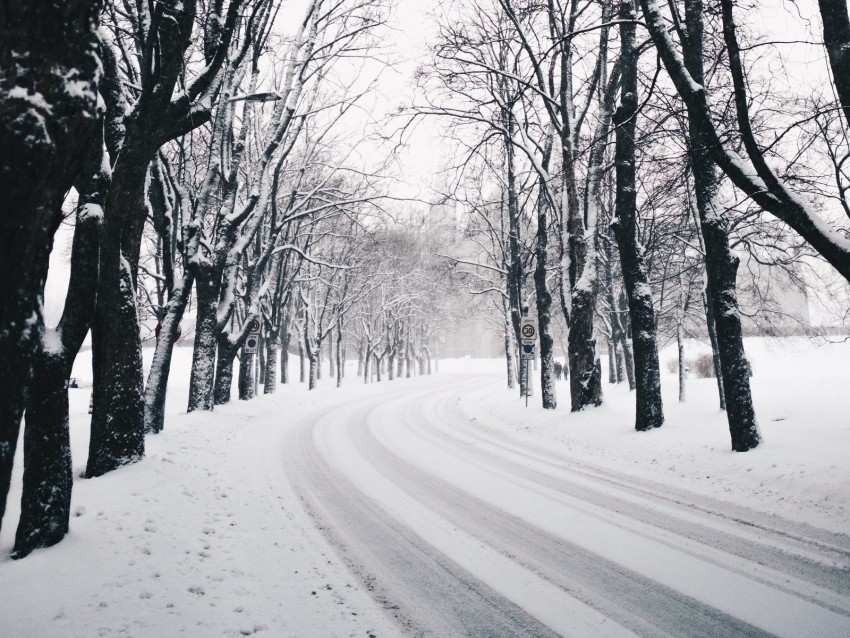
x,y
318,362
302,361
721,265
315,363
46,502
544,304
715,348
246,376
683,373
43,46
117,425
202,378
47,482
649,411
225,355
285,339
612,362
157,385
510,353
270,379
330,341
836,39
515,265
340,362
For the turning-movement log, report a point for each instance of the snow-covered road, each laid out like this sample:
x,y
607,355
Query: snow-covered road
x,y
460,530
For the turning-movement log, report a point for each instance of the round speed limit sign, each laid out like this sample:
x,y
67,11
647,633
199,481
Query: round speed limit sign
x,y
528,331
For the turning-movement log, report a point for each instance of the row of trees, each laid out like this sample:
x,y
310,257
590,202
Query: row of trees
x,y
216,151
618,159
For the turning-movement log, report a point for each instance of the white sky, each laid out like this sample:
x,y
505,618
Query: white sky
x,y
407,38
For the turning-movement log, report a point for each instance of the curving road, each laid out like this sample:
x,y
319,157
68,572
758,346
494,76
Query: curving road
x,y
458,531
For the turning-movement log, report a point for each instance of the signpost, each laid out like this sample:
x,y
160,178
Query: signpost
x,y
528,348
252,342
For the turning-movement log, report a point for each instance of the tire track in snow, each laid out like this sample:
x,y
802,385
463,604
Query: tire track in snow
x,y
811,554
427,593
378,544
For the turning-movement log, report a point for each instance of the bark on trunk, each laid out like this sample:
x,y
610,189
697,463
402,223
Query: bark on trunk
x,y
548,392
836,39
515,266
117,425
157,385
284,357
509,355
224,370
315,363
721,265
715,348
201,380
339,357
47,481
649,411
247,364
46,501
270,380
43,46
683,374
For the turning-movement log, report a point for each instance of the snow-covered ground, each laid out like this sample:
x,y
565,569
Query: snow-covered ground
x,y
209,535
801,390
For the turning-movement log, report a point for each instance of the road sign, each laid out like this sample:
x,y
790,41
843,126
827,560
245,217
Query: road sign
x,y
252,345
527,350
254,327
528,330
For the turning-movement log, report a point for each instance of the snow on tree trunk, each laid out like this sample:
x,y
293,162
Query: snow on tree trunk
x,y
628,360
48,100
46,502
340,359
270,379
315,364
720,264
47,481
649,411
201,380
246,376
683,374
284,357
544,304
157,384
509,355
225,356
715,348
330,341
117,425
